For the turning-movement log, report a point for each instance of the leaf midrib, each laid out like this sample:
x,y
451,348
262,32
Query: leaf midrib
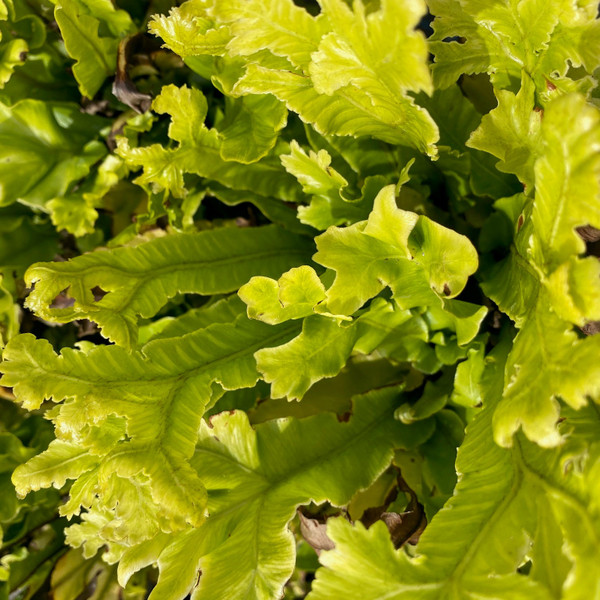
x,y
281,334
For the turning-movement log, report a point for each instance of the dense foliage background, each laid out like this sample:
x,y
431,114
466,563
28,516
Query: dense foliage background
x,y
299,299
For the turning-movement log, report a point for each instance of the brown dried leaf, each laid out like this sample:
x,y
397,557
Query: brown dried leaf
x,y
123,88
591,328
315,533
405,527
589,233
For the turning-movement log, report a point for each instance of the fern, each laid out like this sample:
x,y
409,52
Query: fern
x,y
210,262
376,105
326,307
142,412
256,485
525,503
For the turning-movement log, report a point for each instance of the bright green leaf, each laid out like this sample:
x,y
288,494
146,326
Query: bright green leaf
x,y
511,132
539,370
504,38
267,473
95,54
320,351
44,148
567,180
488,526
420,260
139,280
285,29
188,32
294,296
145,409
200,152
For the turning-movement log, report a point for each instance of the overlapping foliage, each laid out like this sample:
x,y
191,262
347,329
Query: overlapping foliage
x,y
284,280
